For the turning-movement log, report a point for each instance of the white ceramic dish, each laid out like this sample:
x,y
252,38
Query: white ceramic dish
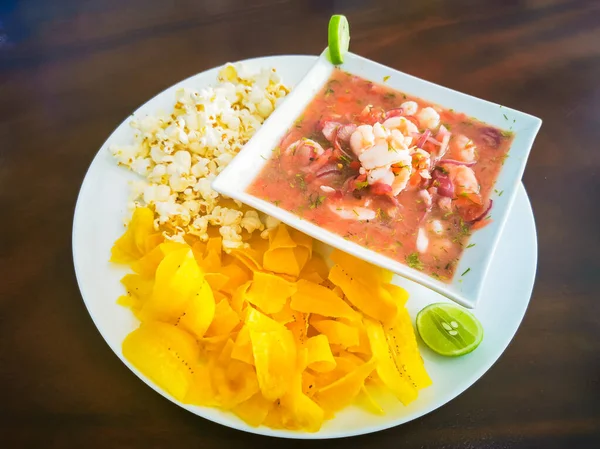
x,y
465,290
98,222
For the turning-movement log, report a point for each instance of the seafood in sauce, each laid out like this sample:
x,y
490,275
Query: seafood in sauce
x,y
393,173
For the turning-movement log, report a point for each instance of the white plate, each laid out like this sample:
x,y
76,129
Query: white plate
x,y
465,290
98,223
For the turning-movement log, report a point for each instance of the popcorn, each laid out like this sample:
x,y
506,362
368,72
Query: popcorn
x,y
180,153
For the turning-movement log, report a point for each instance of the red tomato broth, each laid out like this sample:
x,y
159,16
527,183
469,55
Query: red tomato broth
x,y
289,183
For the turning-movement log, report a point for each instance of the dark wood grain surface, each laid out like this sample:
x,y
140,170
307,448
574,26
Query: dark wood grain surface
x,y
71,70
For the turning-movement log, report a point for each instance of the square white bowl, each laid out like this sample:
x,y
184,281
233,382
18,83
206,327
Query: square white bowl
x,y
464,289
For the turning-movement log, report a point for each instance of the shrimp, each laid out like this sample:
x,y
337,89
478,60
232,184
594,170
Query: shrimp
x,y
409,107
422,241
356,213
383,175
304,151
421,161
402,124
380,155
361,139
401,178
440,246
428,118
381,134
463,178
435,227
445,203
426,196
462,149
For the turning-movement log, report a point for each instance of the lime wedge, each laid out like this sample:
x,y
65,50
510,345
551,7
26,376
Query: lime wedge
x,y
338,38
449,329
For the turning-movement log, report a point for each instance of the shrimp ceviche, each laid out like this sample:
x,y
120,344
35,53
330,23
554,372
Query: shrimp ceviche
x,y
393,173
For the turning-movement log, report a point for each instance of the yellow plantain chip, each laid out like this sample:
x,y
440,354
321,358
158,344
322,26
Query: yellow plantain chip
x,y
374,300
242,350
274,351
342,392
314,298
281,260
319,356
225,321
254,411
403,346
178,277
387,370
163,353
269,292
359,269
132,244
199,313
337,332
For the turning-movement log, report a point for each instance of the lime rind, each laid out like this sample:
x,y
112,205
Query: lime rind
x,y
449,330
338,38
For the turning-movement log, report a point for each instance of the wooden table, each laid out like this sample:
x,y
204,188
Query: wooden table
x,y
71,70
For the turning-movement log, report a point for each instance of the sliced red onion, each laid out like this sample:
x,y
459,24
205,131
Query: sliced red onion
x,y
329,129
345,131
491,137
327,170
455,162
426,134
394,201
396,112
379,188
321,161
434,141
350,183
443,183
484,214
443,136
338,146
413,119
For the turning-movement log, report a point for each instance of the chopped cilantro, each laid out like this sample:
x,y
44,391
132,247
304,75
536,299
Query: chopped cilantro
x,y
399,243
506,134
345,159
385,78
361,185
300,180
356,213
413,261
315,201
466,271
389,96
505,117
329,91
471,245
